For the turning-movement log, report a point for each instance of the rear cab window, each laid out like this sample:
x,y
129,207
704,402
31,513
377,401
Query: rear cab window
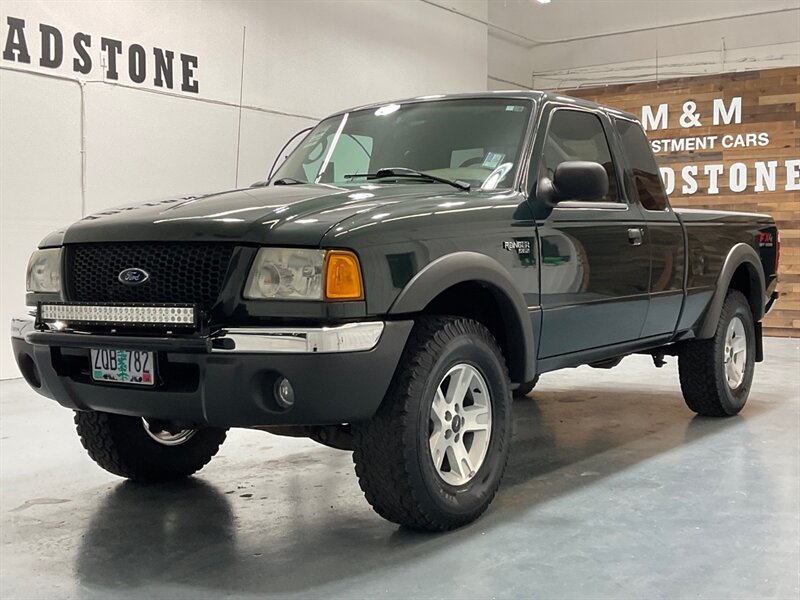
x,y
646,180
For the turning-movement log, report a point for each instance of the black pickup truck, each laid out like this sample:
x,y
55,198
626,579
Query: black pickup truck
x,y
406,270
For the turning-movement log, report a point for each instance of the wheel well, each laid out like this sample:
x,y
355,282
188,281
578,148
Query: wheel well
x,y
476,301
745,280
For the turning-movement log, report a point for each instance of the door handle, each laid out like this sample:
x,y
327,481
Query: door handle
x,y
635,235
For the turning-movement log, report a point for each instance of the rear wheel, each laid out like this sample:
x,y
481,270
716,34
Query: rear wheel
x,y
716,374
146,451
433,455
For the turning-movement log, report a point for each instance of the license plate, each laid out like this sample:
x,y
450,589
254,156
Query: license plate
x,y
124,366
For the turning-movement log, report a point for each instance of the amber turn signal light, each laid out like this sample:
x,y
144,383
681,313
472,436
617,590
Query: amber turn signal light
x,y
343,276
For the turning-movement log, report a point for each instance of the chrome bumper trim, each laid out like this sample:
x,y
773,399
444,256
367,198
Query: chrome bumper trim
x,y
23,323
353,337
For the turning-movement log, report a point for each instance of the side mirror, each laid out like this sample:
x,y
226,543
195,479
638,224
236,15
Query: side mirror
x,y
575,180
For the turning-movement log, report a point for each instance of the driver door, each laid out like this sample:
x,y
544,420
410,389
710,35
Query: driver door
x,y
595,269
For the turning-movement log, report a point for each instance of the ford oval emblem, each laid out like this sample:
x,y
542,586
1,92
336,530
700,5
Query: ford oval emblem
x,y
133,276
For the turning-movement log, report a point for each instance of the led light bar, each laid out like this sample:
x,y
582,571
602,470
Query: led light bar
x,y
180,316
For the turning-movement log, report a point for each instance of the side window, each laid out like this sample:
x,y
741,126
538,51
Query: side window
x,y
578,135
646,179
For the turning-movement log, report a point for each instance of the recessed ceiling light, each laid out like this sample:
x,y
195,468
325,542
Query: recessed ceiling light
x,y
543,1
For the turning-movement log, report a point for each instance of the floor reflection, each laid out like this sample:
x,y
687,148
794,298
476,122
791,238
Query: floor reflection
x,y
303,521
139,534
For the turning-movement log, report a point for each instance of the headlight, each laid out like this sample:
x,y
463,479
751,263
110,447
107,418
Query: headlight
x,y
44,271
286,273
304,274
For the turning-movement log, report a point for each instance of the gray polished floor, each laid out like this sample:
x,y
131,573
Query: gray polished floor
x,y
613,490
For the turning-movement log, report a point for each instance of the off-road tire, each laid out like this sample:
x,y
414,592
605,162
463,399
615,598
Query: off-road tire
x,y
701,365
120,445
392,457
526,388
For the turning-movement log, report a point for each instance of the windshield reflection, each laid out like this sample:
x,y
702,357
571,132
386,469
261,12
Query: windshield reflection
x,y
465,142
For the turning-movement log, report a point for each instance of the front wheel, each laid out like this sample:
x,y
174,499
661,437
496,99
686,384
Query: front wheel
x,y
433,455
146,451
716,374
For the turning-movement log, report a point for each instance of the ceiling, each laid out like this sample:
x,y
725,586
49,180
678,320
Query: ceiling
x,y
527,22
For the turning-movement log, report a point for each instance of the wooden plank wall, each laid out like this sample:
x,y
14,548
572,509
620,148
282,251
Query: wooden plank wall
x,y
770,104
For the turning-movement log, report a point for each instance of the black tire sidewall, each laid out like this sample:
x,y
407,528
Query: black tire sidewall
x,y
733,400
472,497
152,461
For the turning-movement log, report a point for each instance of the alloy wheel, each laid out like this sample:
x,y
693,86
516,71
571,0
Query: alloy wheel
x,y
460,424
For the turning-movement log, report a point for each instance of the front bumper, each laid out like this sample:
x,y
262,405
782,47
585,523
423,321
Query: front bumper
x,y
226,380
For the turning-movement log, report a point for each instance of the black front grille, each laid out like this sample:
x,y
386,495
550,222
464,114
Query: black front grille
x,y
179,272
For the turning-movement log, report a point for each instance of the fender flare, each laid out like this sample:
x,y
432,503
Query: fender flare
x,y
740,254
462,267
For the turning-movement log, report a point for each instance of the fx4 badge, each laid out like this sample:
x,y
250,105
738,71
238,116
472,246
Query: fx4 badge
x,y
520,246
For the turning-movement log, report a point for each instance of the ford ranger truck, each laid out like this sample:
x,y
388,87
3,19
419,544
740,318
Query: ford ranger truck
x,y
406,270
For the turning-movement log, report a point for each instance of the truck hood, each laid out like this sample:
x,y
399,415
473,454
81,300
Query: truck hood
x,y
296,215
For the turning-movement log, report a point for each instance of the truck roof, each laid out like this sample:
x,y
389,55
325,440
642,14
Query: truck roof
x,y
536,95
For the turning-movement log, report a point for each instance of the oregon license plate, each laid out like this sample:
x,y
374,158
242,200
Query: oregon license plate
x,y
123,366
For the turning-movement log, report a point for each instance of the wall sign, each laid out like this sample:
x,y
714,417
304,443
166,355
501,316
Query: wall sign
x,y
729,142
762,173
87,53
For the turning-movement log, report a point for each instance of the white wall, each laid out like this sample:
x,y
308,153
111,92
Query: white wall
x,y
509,64
292,63
575,43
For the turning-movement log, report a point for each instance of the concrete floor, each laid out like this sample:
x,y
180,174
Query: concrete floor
x,y
614,489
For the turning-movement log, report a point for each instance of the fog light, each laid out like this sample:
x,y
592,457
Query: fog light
x,y
284,393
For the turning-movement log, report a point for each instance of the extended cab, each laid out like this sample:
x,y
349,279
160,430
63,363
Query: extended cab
x,y
405,271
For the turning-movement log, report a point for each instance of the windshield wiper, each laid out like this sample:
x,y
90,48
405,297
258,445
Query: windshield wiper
x,y
288,181
404,172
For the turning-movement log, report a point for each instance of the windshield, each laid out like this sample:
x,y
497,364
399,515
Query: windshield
x,y
477,141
